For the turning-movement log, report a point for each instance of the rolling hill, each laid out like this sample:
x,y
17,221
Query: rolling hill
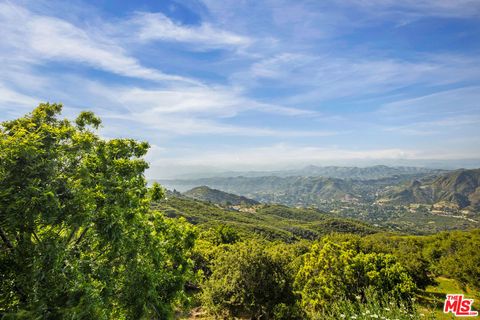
x,y
207,194
266,221
393,203
294,190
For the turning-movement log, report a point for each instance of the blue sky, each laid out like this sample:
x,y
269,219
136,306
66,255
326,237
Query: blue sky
x,y
257,85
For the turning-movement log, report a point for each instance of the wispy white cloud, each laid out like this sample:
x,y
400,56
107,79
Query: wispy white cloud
x,y
435,127
266,69
194,110
168,111
320,20
444,114
156,26
322,77
12,99
179,105
454,101
420,8
280,66
217,101
181,126
34,38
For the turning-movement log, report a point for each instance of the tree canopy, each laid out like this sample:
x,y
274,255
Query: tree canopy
x,y
78,238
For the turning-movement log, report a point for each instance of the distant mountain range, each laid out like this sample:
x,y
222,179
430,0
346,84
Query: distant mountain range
x,y
311,185
391,185
287,190
207,194
393,202
460,188
358,173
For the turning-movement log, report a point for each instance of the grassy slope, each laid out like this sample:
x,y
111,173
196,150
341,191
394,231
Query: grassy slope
x,y
434,296
268,221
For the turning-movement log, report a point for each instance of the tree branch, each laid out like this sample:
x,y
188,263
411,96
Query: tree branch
x,y
81,236
5,239
70,237
36,237
101,254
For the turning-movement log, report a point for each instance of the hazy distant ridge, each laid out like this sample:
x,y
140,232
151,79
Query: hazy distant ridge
x,y
357,184
459,187
359,173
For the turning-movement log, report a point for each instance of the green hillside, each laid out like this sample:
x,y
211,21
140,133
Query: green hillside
x,y
361,200
267,221
294,190
205,193
460,188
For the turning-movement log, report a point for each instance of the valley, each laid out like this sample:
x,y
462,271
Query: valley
x,y
409,200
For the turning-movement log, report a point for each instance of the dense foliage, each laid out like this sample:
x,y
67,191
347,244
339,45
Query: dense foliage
x,y
332,271
78,239
456,255
248,281
341,274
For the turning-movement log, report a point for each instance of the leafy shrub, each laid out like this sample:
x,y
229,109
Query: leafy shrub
x,y
221,234
332,271
407,250
249,281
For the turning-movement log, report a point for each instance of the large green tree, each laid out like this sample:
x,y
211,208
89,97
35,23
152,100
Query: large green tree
x,y
78,239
